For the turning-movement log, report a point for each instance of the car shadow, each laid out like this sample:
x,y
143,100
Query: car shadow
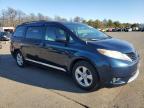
x,y
37,76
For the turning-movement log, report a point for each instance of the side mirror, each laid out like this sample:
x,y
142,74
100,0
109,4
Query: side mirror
x,y
61,40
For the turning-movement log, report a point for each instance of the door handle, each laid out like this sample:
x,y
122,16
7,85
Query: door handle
x,y
40,44
36,43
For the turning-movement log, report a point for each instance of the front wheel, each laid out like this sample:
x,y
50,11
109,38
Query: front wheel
x,y
85,75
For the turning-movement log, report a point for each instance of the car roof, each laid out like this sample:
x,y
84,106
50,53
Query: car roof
x,y
40,23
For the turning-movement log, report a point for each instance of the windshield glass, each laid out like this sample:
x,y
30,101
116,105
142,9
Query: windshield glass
x,y
86,32
1,33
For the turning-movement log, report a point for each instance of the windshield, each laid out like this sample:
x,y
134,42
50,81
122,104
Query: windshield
x,y
1,33
8,34
86,32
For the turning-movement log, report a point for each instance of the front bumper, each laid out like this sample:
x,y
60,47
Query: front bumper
x,y
124,73
118,72
134,77
125,80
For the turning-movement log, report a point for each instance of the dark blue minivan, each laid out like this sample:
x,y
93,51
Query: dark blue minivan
x,y
90,56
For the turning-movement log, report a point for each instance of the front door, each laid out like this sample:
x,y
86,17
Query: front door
x,y
55,50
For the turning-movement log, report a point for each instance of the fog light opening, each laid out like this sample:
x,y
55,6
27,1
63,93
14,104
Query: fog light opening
x,y
117,81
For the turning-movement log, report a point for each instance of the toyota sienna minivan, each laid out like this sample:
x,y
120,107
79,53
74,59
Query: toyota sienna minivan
x,y
90,56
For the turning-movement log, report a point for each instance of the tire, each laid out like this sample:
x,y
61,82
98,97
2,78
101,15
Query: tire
x,y
20,59
85,76
0,46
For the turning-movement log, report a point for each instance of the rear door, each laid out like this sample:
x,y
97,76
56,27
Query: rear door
x,y
33,42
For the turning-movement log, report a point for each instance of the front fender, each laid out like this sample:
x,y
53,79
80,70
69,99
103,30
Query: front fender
x,y
101,65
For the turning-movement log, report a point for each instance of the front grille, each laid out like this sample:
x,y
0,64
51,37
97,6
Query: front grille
x,y
132,55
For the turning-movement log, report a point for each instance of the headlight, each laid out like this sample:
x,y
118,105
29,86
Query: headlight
x,y
114,54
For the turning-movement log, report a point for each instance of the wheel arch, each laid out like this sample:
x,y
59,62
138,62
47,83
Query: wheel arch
x,y
15,51
82,59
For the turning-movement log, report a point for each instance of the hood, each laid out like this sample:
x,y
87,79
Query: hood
x,y
113,44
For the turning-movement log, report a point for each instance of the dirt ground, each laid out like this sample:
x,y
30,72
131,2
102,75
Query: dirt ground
x,y
34,87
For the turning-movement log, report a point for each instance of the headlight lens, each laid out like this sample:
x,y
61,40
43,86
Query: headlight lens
x,y
114,54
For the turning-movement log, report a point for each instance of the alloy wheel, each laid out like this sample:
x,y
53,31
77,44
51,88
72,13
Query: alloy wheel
x,y
19,59
83,76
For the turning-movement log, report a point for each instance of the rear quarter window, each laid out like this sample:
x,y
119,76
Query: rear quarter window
x,y
19,32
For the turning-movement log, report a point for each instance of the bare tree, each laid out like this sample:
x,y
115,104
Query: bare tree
x,y
20,16
58,18
40,16
32,17
11,15
78,19
3,16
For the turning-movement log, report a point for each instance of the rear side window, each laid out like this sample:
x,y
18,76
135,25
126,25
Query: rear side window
x,y
34,33
19,32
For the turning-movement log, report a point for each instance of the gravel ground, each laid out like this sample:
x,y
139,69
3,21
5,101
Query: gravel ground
x,y
35,87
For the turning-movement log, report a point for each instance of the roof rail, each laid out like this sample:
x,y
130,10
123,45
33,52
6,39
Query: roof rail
x,y
34,22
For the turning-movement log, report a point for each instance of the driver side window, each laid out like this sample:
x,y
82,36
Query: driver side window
x,y
55,33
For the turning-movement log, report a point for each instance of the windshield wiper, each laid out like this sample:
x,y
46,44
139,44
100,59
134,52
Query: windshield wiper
x,y
94,39
89,39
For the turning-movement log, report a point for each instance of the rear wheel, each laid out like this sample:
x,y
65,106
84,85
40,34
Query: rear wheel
x,y
85,75
20,59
